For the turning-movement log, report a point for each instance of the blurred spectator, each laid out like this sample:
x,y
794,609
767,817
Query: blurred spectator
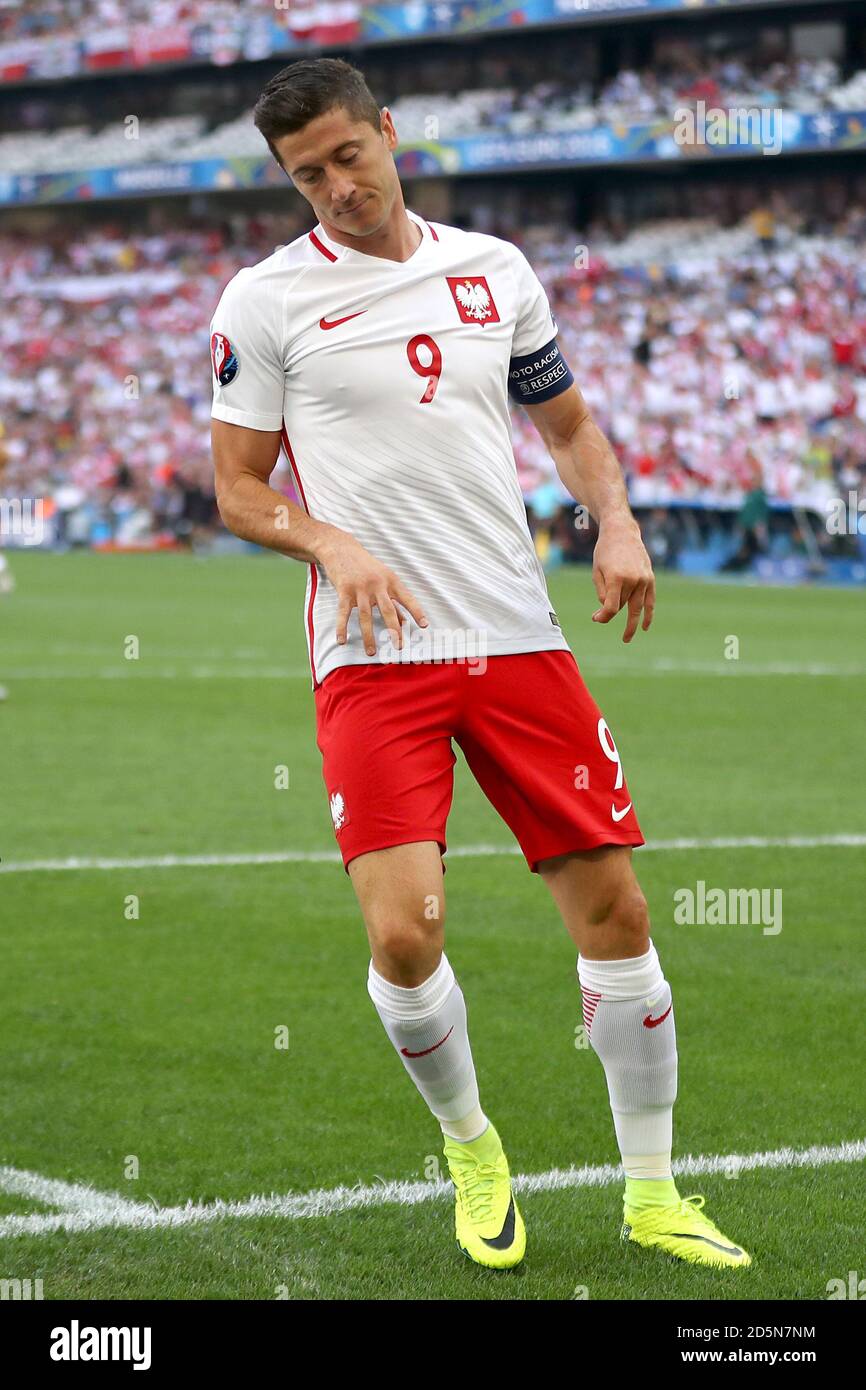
x,y
661,538
550,89
719,371
752,524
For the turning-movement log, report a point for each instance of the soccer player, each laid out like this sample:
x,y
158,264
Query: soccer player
x,y
379,350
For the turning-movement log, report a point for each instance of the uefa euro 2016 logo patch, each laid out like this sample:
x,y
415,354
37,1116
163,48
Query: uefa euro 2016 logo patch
x,y
473,299
225,360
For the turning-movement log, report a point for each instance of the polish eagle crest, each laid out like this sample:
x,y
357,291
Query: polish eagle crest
x,y
473,299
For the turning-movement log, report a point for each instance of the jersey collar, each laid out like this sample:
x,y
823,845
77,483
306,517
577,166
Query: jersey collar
x,y
331,250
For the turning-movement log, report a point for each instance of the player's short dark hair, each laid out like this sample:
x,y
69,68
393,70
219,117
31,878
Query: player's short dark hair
x,y
304,90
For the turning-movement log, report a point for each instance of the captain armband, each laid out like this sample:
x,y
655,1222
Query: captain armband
x,y
539,376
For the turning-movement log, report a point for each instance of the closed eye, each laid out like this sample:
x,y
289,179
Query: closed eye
x,y
311,175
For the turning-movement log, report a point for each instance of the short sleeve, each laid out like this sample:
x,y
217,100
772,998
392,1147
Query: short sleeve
x,y
247,356
535,326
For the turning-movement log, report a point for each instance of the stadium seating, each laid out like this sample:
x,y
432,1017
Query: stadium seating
x,y
702,353
630,98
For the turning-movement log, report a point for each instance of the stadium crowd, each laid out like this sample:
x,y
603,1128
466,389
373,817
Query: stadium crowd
x,y
71,18
715,361
512,101
571,102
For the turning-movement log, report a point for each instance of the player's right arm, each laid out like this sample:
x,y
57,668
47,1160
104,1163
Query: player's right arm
x,y
247,354
243,462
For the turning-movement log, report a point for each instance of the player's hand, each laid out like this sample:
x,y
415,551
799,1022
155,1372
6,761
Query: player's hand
x,y
622,573
363,582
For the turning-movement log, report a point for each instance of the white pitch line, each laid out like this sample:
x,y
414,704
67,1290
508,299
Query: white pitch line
x,y
52,1192
162,673
674,667
853,840
660,666
114,1212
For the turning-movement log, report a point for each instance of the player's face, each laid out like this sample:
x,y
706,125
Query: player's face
x,y
344,169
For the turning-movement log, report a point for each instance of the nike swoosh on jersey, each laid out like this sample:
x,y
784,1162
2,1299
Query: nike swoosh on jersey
x,y
335,323
618,815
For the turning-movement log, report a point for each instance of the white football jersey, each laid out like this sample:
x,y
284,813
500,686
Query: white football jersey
x,y
389,382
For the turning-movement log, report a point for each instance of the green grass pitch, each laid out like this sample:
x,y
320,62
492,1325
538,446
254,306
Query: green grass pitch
x,y
152,1038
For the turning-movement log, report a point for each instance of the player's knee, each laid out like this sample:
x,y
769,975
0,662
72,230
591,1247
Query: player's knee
x,y
406,950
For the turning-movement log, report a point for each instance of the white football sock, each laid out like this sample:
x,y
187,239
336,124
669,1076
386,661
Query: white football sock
x,y
427,1025
629,1018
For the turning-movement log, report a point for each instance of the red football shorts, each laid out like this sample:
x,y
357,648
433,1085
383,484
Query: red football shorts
x,y
529,729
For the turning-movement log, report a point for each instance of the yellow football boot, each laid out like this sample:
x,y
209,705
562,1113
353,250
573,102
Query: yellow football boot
x,y
488,1224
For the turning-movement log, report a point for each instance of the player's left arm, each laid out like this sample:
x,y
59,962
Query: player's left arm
x,y
621,569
